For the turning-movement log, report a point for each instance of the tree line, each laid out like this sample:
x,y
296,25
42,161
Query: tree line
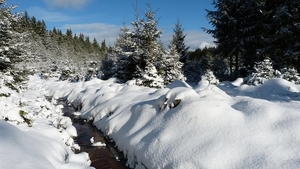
x,y
26,45
249,31
246,33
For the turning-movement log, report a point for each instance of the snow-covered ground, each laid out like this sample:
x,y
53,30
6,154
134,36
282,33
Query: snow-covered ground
x,y
228,126
33,132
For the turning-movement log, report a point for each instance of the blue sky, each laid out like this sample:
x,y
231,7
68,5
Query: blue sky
x,y
102,19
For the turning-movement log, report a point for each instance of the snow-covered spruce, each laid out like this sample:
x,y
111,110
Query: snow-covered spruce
x,y
262,71
139,55
290,74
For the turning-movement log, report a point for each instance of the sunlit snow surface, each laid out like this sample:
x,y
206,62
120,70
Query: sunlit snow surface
x,y
228,126
47,144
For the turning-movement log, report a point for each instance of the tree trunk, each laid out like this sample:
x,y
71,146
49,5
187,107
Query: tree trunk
x,y
298,64
230,67
236,64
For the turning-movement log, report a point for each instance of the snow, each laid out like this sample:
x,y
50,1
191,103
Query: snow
x,y
99,144
229,125
39,137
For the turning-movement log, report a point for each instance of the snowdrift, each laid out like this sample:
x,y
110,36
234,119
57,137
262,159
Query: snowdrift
x,y
34,133
226,126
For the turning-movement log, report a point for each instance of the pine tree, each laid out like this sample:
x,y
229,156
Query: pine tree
x,y
148,49
283,33
178,42
41,28
95,44
251,31
103,47
209,77
198,62
225,31
290,74
170,67
9,46
138,54
69,34
108,68
124,50
262,71
238,30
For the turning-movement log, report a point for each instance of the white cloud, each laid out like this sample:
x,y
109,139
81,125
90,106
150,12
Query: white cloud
x,y
204,45
47,16
100,31
67,3
194,39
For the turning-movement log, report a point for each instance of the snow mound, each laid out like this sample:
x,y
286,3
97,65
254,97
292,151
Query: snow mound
x,y
238,82
273,89
178,83
98,144
230,125
33,132
174,96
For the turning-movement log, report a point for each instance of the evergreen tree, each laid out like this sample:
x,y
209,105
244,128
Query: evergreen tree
x,y
95,44
238,27
9,46
54,30
41,29
108,68
25,22
103,47
262,71
224,30
139,53
283,22
200,61
33,23
209,77
88,44
124,49
251,31
178,42
170,67
69,34
193,71
148,49
290,74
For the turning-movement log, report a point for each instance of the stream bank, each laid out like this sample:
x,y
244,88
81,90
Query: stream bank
x,y
102,157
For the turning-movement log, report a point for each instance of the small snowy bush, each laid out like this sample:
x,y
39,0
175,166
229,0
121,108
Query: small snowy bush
x,y
210,77
261,72
150,78
26,118
65,74
290,74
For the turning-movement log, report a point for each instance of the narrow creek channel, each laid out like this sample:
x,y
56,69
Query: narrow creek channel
x,y
107,157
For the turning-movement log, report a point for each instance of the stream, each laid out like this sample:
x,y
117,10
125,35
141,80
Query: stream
x,y
102,157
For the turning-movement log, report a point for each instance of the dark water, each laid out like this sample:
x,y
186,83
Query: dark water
x,y
107,157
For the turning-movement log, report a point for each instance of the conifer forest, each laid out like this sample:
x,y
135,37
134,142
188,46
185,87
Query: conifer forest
x,y
247,35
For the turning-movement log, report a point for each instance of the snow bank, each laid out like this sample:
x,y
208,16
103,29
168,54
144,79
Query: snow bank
x,y
33,132
225,126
